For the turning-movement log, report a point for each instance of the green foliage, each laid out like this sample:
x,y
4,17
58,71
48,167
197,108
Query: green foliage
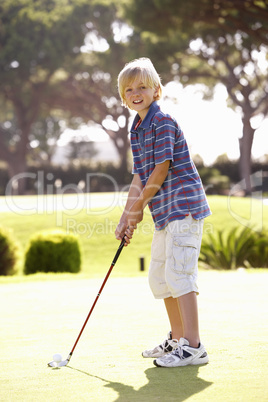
x,y
59,62
235,248
214,42
53,251
8,252
259,255
39,35
214,181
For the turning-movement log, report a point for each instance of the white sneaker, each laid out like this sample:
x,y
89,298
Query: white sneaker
x,y
183,355
166,347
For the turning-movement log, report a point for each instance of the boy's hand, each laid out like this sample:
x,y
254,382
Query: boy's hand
x,y
128,223
123,230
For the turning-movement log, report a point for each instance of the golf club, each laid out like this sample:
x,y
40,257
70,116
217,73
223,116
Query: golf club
x,y
62,363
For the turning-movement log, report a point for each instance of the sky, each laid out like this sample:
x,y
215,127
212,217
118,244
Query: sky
x,y
210,127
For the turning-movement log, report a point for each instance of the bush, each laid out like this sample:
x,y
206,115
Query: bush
x,y
227,251
53,251
237,248
258,257
8,252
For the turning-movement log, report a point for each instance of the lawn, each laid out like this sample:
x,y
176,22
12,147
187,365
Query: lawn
x,y
95,228
40,318
42,314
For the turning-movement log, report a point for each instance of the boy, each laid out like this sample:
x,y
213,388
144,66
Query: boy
x,y
165,178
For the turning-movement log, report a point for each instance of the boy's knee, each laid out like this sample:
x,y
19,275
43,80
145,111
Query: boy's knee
x,y
156,278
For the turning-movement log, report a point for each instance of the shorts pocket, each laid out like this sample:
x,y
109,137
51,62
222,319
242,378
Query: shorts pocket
x,y
185,254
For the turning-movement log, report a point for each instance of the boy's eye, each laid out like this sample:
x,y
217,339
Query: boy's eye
x,y
141,88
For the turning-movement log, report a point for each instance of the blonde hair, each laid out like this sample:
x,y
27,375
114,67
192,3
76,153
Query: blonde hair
x,y
141,68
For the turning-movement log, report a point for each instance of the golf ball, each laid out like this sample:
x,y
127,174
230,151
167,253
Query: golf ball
x,y
57,357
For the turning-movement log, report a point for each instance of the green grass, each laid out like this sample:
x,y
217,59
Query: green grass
x,y
42,314
40,318
96,230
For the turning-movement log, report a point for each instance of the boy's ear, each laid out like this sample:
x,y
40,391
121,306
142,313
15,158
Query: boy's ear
x,y
156,92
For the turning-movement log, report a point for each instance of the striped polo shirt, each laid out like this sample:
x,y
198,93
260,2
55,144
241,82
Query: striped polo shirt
x,y
154,140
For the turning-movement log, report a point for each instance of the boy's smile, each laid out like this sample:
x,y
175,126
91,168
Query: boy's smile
x,y
139,97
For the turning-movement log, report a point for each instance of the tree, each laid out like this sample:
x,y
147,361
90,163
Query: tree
x,y
109,45
44,74
82,150
35,41
212,41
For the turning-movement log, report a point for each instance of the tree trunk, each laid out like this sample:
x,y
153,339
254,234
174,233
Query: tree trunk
x,y
17,177
245,145
26,114
121,143
17,164
124,164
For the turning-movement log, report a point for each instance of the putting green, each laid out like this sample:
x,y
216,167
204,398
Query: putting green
x,y
39,319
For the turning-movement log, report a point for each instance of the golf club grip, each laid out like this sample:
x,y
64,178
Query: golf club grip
x,y
120,248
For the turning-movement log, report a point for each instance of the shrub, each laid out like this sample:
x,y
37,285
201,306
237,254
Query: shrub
x,y
228,250
258,257
8,252
53,251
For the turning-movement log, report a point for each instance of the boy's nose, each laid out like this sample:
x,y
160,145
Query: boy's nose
x,y
136,91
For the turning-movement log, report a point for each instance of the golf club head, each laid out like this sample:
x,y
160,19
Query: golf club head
x,y
63,363
59,364
52,364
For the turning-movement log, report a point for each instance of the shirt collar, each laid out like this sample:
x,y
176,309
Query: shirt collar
x,y
147,120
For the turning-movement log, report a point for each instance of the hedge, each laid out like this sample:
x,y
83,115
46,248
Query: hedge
x,y
53,251
9,252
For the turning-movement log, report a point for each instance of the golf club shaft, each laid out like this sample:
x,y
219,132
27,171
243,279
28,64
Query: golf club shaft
x,y
120,248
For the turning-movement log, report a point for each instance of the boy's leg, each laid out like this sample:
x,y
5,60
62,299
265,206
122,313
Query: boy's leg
x,y
183,247
174,316
183,317
160,290
189,316
189,350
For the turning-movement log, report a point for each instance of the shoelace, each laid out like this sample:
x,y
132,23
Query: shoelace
x,y
164,345
178,351
167,344
181,353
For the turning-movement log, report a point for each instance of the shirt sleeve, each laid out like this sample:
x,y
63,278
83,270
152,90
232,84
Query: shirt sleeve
x,y
165,133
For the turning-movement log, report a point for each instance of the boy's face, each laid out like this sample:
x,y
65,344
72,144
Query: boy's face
x,y
139,97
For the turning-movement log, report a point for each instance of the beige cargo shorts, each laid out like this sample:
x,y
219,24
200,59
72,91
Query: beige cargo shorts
x,y
174,258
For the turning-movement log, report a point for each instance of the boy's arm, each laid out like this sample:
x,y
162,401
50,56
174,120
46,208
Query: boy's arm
x,y
138,198
133,194
153,185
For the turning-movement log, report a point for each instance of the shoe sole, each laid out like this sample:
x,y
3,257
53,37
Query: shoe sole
x,y
193,363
